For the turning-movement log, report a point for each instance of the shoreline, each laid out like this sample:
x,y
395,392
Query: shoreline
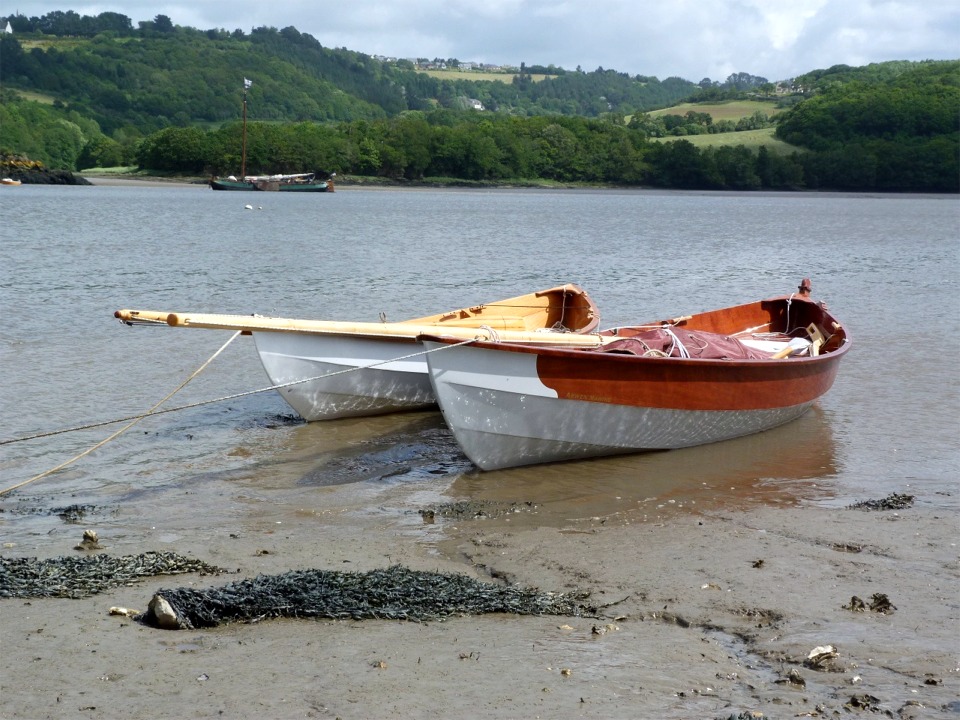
x,y
392,185
128,181
707,614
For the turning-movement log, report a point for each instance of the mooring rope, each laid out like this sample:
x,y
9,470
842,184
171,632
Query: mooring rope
x,y
122,430
154,411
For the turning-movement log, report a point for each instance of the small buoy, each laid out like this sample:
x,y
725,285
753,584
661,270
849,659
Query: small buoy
x,y
248,207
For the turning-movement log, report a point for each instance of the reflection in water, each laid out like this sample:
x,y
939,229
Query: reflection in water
x,y
405,446
782,465
391,466
410,456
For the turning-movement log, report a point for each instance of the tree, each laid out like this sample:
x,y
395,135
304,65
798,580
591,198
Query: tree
x,y
11,57
558,157
174,149
678,164
120,24
736,167
100,152
163,24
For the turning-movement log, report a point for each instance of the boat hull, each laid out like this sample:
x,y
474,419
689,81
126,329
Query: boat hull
x,y
337,370
240,185
236,185
503,415
394,385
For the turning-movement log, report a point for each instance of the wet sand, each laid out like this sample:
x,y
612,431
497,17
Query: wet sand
x,y
709,614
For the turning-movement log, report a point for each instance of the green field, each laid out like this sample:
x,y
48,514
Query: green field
x,y
51,42
477,76
752,139
733,110
36,97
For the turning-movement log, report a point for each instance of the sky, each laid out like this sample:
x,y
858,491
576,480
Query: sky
x,y
691,39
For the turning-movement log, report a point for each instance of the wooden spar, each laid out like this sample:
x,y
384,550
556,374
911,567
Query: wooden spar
x,y
567,306
397,330
141,316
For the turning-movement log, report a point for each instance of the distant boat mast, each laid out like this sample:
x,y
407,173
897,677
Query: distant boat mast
x,y
243,155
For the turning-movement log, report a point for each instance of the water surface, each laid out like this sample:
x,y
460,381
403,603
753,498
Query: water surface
x,y
70,256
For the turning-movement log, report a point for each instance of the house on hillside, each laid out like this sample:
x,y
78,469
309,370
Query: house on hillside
x,y
7,30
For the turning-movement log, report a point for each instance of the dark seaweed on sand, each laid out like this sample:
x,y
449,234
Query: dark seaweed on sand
x,y
894,501
80,577
395,593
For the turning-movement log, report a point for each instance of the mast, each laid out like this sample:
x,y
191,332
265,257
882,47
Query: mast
x,y
243,156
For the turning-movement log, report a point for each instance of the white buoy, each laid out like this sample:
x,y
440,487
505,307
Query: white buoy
x,y
248,207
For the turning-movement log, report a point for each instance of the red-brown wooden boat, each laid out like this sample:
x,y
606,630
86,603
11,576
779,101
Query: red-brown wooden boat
x,y
670,384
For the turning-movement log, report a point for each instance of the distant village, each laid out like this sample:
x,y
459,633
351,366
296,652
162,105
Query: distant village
x,y
461,65
454,66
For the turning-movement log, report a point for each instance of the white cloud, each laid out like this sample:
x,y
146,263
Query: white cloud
x,y
687,38
784,23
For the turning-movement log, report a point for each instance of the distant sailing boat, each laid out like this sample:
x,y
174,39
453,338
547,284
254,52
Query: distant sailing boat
x,y
299,182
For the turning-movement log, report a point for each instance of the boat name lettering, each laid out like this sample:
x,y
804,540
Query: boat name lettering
x,y
588,398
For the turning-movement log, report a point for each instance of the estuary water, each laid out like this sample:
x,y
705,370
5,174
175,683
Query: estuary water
x,y
886,265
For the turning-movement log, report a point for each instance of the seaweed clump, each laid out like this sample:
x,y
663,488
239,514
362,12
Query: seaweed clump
x,y
894,501
394,593
80,577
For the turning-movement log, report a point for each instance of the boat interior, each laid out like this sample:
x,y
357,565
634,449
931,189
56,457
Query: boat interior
x,y
560,308
784,327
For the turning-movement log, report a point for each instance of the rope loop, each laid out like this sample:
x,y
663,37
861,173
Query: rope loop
x,y
494,335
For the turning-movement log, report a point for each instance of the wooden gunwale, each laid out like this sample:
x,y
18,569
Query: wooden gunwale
x,y
694,383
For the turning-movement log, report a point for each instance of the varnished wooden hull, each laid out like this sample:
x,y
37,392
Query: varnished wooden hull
x,y
511,405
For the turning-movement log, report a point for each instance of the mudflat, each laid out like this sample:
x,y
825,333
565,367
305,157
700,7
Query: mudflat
x,y
145,181
770,611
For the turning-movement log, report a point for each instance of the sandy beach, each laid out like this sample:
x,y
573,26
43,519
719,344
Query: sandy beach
x,y
709,614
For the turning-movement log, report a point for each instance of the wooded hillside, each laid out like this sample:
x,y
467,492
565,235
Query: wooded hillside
x,y
151,78
82,92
